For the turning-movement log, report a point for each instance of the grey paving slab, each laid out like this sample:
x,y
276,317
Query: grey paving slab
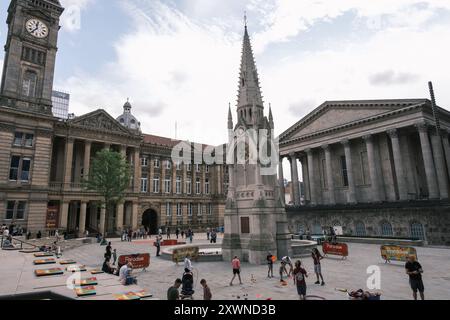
x,y
18,274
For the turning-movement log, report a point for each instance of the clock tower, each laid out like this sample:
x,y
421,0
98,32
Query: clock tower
x,y
30,55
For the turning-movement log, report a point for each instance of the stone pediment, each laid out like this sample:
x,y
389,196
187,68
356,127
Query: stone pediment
x,y
338,113
99,120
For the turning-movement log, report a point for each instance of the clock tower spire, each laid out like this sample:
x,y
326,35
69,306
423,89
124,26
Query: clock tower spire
x,y
30,55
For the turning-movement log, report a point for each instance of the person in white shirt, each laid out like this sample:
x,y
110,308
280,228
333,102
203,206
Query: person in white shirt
x,y
6,232
187,263
124,272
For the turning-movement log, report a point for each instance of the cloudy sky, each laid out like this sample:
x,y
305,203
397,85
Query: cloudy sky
x,y
178,60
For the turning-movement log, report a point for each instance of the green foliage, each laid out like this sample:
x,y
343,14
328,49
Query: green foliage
x,y
109,176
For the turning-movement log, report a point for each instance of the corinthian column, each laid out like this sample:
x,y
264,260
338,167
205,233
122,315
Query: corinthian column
x,y
433,190
399,168
312,181
374,177
295,183
351,195
330,181
439,162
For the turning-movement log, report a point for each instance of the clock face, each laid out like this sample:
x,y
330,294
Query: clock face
x,y
37,28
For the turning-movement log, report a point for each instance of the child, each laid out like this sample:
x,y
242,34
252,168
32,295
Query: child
x,y
114,254
317,266
299,280
206,291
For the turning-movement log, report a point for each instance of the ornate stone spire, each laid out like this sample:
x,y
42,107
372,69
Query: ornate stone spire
x,y
249,90
230,118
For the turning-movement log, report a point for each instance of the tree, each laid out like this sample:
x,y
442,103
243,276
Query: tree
x,y
110,177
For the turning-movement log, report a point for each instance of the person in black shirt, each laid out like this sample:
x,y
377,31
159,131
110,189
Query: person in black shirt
x,y
414,270
270,265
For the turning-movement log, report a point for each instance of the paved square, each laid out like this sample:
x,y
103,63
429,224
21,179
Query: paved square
x,y
17,271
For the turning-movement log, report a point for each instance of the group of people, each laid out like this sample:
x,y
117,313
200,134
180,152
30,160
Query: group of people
x,y
189,234
211,235
128,234
187,285
123,271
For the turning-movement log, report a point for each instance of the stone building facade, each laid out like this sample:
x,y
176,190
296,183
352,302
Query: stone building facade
x,y
43,160
370,166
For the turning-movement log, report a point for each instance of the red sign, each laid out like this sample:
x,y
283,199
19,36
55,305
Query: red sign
x,y
139,261
52,217
338,249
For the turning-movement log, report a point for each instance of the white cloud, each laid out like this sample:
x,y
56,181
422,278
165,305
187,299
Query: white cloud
x,y
180,68
71,19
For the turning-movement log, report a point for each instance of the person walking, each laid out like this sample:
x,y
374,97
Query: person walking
x,y
317,266
182,234
299,279
158,245
173,293
108,252
207,295
130,235
414,270
114,255
236,264
187,263
270,265
168,232
177,233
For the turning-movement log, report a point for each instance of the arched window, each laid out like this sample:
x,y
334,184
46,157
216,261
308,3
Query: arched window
x,y
386,229
122,120
417,231
29,84
360,229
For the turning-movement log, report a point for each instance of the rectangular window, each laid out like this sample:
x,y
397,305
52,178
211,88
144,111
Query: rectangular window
x,y
18,136
197,168
210,209
207,168
168,209
144,161
178,185
156,185
179,210
10,210
245,225
344,171
197,186
167,185
29,138
178,166
188,185
144,183
199,209
14,168
156,163
190,209
206,186
25,173
189,167
168,165
20,212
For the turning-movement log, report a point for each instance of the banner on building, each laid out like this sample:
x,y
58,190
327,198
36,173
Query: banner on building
x,y
397,253
179,254
337,249
139,261
52,217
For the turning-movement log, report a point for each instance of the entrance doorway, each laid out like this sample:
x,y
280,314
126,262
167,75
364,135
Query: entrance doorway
x,y
150,221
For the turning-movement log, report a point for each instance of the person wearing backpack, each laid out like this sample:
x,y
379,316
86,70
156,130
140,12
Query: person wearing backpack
x,y
299,279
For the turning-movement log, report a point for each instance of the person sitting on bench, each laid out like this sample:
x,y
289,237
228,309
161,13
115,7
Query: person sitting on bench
x,y
187,283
